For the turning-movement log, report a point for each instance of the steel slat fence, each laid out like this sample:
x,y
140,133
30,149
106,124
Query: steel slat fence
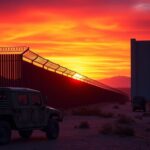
x,y
10,67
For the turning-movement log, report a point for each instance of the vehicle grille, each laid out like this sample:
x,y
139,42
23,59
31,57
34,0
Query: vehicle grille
x,y
4,104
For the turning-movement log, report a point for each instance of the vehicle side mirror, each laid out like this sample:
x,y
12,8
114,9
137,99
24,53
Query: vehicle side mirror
x,y
43,107
46,100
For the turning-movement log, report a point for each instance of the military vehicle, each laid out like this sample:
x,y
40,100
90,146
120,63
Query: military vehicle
x,y
25,110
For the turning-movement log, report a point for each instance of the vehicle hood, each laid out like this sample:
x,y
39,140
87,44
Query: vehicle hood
x,y
51,108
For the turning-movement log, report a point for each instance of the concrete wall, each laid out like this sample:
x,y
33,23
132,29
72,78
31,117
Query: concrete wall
x,y
140,68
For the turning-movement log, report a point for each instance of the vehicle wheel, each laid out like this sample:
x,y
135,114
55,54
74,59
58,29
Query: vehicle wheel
x,y
144,109
25,134
52,130
133,109
5,132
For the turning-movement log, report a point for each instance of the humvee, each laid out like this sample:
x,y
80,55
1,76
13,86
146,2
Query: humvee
x,y
24,110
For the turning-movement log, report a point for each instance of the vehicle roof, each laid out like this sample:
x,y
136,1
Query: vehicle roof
x,y
18,89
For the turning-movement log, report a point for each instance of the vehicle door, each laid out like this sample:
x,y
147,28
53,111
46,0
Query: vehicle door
x,y
22,110
38,110
4,101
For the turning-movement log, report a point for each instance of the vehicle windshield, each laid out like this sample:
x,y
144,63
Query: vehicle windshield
x,y
36,100
3,95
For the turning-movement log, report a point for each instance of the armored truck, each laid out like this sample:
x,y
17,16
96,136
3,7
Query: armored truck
x,y
25,110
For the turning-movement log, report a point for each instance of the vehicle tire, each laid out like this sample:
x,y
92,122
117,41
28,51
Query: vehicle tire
x,y
140,103
5,132
144,109
52,130
25,134
133,109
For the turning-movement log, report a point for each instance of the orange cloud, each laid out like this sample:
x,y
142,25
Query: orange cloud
x,y
90,37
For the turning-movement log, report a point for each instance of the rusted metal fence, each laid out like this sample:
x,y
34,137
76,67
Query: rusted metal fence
x,y
10,67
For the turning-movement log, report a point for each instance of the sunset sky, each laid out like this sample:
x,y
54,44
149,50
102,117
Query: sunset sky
x,y
91,37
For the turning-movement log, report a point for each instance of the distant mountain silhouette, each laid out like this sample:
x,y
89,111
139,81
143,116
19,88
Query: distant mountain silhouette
x,y
126,90
117,82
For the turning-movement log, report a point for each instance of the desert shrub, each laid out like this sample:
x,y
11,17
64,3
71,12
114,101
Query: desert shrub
x,y
146,114
123,119
106,129
123,102
138,117
92,112
124,130
86,112
83,125
106,114
117,129
115,107
147,129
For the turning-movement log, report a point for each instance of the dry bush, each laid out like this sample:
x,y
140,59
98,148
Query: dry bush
x,y
146,114
86,112
147,129
123,102
106,114
123,119
138,117
92,112
115,107
124,130
106,129
118,129
83,125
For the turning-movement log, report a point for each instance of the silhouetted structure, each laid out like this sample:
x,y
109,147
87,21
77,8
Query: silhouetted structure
x,y
65,88
140,73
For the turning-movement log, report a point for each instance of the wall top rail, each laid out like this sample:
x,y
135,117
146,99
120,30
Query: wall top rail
x,y
13,50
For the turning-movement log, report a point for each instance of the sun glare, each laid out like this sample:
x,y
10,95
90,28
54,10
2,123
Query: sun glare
x,y
77,76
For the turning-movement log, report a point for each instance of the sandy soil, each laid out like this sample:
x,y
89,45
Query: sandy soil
x,y
72,138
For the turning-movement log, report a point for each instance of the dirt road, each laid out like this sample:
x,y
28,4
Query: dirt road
x,y
72,138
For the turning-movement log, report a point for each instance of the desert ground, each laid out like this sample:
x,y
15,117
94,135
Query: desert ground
x,y
116,127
